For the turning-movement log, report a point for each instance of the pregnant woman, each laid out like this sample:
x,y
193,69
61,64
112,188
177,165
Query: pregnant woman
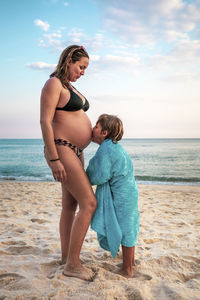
x,y
66,131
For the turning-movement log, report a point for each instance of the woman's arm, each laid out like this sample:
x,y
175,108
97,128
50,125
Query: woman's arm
x,y
49,99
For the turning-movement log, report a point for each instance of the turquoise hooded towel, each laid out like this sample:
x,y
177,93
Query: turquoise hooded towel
x,y
116,219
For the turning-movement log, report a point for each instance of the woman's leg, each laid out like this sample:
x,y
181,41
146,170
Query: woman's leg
x,y
77,184
69,205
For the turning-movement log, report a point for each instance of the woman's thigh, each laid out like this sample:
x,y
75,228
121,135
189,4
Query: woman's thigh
x,y
77,182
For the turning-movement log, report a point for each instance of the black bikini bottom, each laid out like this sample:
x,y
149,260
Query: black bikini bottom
x,y
62,142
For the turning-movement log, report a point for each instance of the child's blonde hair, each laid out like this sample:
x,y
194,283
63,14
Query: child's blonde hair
x,y
113,125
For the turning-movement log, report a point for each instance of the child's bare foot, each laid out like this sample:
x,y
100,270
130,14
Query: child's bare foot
x,y
124,273
78,272
135,264
62,261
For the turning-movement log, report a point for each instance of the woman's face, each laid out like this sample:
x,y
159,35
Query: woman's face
x,y
77,69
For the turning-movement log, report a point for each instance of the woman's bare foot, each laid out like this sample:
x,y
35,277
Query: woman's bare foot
x,y
63,261
79,272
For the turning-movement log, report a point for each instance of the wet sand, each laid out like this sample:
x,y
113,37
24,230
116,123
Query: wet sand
x,y
168,250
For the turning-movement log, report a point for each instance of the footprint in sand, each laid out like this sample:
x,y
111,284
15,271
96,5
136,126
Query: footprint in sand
x,y
51,268
185,278
25,250
151,241
9,278
107,266
110,275
192,258
39,221
132,293
20,230
102,274
141,276
12,242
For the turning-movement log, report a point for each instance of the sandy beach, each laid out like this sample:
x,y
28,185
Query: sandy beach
x,y
168,250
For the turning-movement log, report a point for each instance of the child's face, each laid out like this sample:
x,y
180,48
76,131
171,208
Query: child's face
x,y
98,136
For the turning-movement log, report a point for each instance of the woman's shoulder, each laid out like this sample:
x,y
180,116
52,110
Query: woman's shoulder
x,y
53,83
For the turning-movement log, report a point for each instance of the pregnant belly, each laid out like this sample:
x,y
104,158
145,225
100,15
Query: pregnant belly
x,y
74,127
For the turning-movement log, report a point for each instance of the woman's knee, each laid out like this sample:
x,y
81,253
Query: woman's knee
x,y
93,204
90,205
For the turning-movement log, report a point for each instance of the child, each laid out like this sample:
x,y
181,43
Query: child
x,y
116,219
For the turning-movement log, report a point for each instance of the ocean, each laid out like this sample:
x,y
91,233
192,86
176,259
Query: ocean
x,y
156,161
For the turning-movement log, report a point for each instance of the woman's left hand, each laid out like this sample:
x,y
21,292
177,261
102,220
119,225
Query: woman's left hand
x,y
58,171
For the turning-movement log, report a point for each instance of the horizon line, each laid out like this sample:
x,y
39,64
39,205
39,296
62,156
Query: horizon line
x,y
125,138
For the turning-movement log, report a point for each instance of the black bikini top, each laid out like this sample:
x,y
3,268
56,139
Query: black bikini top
x,y
75,103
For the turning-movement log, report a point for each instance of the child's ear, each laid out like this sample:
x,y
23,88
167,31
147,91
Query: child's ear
x,y
105,133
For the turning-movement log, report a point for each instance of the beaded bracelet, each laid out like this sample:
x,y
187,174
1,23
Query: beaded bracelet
x,y
54,159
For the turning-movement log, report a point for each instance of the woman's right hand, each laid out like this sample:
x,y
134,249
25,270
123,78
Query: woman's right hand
x,y
58,171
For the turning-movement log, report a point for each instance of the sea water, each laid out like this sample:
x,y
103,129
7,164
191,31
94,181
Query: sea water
x,y
156,161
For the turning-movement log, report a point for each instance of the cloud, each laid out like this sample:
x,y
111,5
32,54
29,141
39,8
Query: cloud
x,y
112,66
76,34
155,36
145,22
183,54
57,39
187,51
114,62
53,35
96,42
41,66
182,76
52,40
105,62
43,25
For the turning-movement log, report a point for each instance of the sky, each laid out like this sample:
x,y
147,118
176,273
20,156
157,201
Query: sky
x,y
144,62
